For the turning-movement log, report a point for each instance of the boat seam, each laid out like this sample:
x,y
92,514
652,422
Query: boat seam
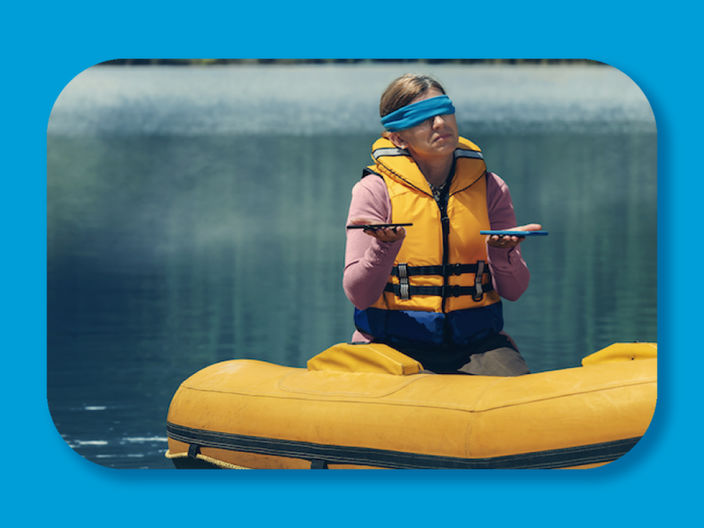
x,y
425,404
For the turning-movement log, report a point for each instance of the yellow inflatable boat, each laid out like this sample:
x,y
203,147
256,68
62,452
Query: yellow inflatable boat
x,y
369,406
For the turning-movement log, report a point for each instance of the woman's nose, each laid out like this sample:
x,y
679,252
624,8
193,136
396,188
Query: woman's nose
x,y
438,121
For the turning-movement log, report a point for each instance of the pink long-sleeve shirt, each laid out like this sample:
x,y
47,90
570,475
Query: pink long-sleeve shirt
x,y
368,262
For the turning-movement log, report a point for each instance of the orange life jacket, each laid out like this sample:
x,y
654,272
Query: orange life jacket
x,y
440,289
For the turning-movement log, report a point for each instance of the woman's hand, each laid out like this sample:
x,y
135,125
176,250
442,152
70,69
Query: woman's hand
x,y
382,234
508,242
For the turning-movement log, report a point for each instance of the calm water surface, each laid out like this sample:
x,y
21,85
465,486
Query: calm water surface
x,y
197,215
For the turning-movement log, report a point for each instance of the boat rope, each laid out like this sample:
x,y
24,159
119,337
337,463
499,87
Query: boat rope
x,y
200,456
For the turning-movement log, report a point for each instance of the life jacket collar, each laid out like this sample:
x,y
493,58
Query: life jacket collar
x,y
398,164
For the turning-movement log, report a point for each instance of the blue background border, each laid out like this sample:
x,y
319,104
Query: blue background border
x,y
43,49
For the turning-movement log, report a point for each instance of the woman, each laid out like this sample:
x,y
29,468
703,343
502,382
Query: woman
x,y
433,290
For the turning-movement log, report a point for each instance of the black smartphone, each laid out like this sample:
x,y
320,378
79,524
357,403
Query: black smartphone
x,y
375,226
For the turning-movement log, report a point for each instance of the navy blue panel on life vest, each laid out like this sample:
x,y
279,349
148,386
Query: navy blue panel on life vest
x,y
399,325
459,327
472,324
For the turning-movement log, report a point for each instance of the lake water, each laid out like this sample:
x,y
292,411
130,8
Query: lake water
x,y
196,214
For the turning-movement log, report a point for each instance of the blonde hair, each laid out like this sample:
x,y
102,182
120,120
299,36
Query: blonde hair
x,y
403,90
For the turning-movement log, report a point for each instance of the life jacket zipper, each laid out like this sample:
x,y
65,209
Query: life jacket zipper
x,y
442,199
445,223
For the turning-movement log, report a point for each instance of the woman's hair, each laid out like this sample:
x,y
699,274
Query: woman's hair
x,y
404,89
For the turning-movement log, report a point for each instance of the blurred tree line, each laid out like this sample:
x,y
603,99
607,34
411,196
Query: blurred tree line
x,y
207,62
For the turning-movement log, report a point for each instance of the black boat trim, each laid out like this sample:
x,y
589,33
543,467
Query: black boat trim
x,y
333,454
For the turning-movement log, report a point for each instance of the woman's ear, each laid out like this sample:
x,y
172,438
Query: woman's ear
x,y
397,140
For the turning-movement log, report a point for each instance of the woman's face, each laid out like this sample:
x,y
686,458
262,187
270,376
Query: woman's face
x,y
435,137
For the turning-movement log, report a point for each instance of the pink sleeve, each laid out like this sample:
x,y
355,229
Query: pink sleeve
x,y
509,270
368,262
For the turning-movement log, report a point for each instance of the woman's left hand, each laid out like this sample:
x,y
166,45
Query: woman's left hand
x,y
508,242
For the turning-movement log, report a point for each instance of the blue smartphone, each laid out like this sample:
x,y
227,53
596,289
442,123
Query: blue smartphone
x,y
514,233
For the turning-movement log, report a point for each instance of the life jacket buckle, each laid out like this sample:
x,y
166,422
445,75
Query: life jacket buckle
x,y
404,285
478,289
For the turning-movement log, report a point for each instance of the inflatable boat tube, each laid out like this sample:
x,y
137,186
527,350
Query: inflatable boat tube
x,y
369,406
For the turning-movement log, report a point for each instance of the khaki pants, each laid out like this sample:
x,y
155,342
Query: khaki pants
x,y
495,355
502,361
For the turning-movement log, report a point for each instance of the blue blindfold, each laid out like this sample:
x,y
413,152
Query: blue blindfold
x,y
414,114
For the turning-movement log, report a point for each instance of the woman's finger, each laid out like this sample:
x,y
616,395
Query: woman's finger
x,y
385,234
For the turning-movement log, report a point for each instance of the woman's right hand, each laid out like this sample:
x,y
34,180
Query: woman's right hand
x,y
382,234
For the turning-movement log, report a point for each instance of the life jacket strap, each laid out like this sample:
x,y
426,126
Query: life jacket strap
x,y
451,269
449,290
404,290
478,288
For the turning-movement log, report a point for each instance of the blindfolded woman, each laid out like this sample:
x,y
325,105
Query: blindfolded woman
x,y
433,289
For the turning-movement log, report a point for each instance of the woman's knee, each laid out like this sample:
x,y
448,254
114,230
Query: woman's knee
x,y
504,361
